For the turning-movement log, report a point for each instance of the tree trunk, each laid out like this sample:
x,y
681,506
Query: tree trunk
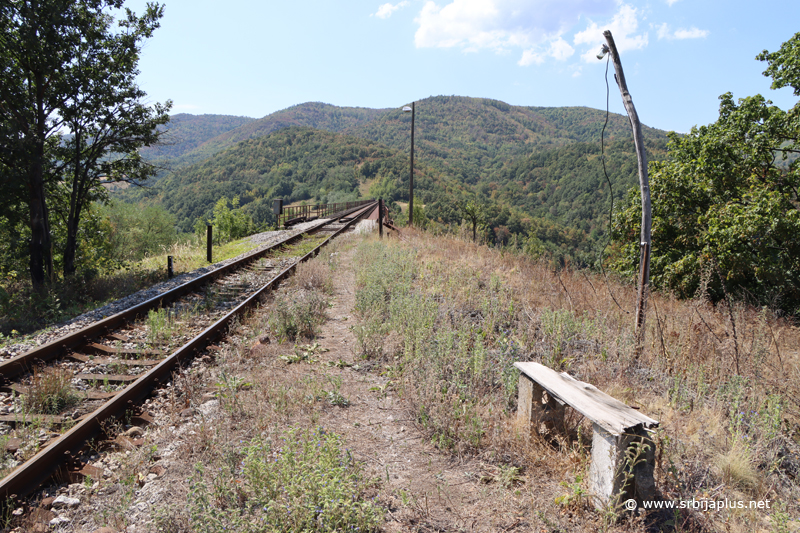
x,y
74,212
41,257
40,238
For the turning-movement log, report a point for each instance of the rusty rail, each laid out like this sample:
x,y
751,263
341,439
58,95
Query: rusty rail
x,y
47,462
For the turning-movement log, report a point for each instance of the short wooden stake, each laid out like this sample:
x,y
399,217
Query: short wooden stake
x,y
380,218
208,243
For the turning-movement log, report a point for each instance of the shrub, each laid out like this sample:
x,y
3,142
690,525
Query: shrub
x,y
298,315
300,482
50,391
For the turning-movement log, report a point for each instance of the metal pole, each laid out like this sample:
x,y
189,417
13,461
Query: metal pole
x,y
411,174
208,243
380,218
170,271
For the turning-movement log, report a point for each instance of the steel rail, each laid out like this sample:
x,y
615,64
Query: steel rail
x,y
27,477
57,347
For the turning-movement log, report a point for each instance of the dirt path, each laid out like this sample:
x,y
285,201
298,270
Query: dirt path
x,y
424,489
144,488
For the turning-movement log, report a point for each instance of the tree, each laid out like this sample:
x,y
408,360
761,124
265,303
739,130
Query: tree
x,y
63,66
726,216
475,214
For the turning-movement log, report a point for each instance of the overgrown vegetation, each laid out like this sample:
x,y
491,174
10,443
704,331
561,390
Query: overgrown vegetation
x,y
447,319
725,204
298,481
298,315
50,391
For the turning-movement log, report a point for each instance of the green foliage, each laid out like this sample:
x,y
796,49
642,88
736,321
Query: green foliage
x,y
68,66
137,231
725,215
302,481
95,256
474,213
784,65
230,222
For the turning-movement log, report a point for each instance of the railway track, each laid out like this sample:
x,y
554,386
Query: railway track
x,y
69,388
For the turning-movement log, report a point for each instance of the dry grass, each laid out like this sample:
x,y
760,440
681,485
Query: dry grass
x,y
50,391
430,393
313,276
711,375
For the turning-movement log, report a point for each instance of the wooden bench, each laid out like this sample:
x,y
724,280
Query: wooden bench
x,y
623,454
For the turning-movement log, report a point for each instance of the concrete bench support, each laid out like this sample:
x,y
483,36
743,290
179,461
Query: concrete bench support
x,y
623,454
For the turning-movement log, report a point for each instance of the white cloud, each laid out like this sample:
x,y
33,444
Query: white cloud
x,y
670,2
533,26
623,28
385,10
691,33
531,57
559,49
664,32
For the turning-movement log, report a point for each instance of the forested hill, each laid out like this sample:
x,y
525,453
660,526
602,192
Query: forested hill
x,y
462,135
312,114
186,132
536,170
295,163
472,137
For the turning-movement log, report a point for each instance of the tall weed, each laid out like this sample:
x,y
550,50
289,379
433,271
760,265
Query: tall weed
x,y
302,481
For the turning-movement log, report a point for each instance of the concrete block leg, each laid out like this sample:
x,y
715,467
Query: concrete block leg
x,y
622,467
533,410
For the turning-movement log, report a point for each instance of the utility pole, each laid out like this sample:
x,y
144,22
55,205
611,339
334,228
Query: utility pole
x,y
644,186
406,109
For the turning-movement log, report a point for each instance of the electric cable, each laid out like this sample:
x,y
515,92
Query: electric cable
x,y
610,189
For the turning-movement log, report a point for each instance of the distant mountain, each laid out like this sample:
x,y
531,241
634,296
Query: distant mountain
x,y
311,114
537,170
472,137
186,132
295,163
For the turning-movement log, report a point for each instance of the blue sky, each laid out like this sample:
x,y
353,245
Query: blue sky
x,y
245,57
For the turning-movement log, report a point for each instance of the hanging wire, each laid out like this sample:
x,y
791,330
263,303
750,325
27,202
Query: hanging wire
x,y
610,188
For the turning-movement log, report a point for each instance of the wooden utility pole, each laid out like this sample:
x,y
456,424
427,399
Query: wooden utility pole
x,y
411,174
644,186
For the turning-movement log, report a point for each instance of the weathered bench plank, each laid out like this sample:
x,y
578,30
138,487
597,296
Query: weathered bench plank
x,y
605,411
623,454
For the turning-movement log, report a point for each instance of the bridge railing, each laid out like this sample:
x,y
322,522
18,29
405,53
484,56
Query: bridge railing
x,y
295,214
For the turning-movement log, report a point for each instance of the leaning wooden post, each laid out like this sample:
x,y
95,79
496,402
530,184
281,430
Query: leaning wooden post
x,y
644,185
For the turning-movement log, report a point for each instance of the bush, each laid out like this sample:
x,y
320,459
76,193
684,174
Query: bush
x,y
137,231
298,315
300,482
